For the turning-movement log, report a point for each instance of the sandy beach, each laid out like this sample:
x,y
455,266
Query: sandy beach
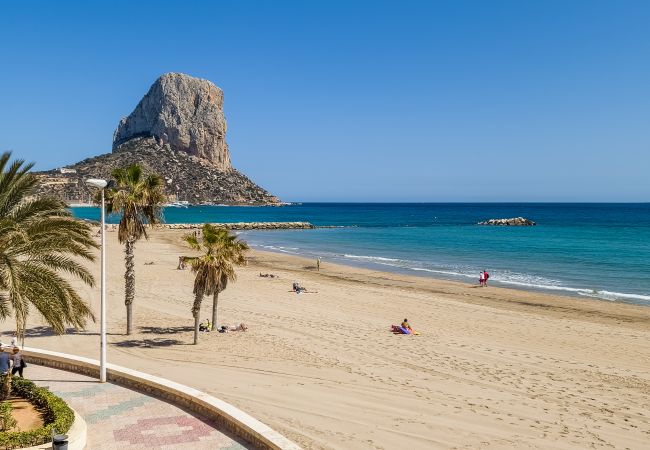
x,y
492,367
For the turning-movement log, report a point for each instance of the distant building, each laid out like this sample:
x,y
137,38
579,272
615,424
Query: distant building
x,y
66,170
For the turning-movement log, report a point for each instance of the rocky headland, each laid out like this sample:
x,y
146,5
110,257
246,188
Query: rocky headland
x,y
177,130
514,221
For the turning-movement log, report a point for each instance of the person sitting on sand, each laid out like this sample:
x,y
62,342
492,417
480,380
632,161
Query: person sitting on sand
x,y
205,326
406,325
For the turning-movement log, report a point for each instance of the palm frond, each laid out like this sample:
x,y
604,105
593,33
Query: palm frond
x,y
39,241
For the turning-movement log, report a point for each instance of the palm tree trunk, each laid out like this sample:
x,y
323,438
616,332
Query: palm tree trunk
x,y
196,312
129,283
215,300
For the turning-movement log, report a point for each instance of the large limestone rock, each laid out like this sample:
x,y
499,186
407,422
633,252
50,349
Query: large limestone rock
x,y
183,112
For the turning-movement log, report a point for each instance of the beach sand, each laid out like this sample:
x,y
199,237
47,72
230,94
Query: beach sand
x,y
492,367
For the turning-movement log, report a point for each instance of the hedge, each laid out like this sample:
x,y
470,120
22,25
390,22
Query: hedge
x,y
57,415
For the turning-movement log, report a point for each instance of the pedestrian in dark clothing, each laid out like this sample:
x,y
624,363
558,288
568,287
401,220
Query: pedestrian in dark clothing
x,y
19,362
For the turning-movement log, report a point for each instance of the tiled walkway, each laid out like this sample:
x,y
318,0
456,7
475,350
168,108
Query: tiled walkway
x,y
120,418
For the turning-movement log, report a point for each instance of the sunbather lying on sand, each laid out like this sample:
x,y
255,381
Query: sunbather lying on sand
x,y
227,328
298,289
404,328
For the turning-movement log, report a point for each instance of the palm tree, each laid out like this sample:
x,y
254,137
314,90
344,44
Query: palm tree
x,y
40,241
214,268
139,198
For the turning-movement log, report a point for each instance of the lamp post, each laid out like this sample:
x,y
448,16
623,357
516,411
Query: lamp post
x,y
101,184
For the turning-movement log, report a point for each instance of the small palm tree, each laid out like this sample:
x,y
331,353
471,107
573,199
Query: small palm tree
x,y
40,241
139,198
214,268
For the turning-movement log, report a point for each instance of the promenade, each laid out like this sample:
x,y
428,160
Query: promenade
x,y
121,418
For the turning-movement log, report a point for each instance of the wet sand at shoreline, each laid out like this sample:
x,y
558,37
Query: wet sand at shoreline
x,y
493,367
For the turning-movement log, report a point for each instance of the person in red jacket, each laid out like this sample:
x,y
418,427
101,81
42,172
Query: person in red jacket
x,y
485,277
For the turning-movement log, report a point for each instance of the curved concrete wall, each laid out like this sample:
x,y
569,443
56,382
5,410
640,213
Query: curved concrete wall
x,y
77,435
220,412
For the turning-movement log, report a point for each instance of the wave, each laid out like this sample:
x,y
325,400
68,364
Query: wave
x,y
279,248
370,258
444,272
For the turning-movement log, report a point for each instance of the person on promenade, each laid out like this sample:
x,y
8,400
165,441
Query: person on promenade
x,y
5,379
4,362
481,279
14,340
485,277
19,362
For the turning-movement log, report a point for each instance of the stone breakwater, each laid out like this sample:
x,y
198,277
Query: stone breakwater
x,y
230,226
515,221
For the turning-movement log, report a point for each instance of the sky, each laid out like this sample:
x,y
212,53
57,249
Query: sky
x,y
402,101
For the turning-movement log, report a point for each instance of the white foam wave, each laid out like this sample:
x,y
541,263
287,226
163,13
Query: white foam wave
x,y
371,258
280,248
444,272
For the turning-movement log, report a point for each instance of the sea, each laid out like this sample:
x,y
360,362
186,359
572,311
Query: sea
x,y
590,250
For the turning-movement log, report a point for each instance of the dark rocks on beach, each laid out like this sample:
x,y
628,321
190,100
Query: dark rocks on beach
x,y
515,221
178,131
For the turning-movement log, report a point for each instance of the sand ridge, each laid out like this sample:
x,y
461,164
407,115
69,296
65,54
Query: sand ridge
x,y
492,368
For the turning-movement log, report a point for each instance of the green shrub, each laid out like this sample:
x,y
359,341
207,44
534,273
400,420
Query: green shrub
x,y
7,421
57,415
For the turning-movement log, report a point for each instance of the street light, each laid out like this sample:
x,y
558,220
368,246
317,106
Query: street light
x,y
101,184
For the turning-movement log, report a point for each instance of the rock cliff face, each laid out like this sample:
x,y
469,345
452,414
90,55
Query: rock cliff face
x,y
183,112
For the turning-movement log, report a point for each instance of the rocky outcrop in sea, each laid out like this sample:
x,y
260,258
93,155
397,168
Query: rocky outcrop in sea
x,y
183,112
177,130
515,221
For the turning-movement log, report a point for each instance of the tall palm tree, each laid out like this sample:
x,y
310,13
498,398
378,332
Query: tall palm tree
x,y
40,243
139,198
222,251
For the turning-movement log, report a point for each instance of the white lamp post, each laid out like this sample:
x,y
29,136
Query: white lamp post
x,y
101,184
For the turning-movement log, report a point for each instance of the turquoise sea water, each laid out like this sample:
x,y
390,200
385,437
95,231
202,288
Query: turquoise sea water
x,y
591,250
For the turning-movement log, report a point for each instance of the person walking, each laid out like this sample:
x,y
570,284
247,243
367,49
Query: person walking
x,y
481,279
485,277
318,264
5,379
19,362
4,362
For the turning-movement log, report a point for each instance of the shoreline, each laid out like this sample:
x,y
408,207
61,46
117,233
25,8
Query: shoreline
x,y
491,366
534,301
568,292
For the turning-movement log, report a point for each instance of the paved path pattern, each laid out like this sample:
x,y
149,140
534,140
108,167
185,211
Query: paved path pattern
x,y
124,419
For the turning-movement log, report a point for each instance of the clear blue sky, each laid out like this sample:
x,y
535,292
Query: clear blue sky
x,y
355,101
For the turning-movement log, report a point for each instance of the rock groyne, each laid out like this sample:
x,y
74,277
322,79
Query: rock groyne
x,y
230,226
